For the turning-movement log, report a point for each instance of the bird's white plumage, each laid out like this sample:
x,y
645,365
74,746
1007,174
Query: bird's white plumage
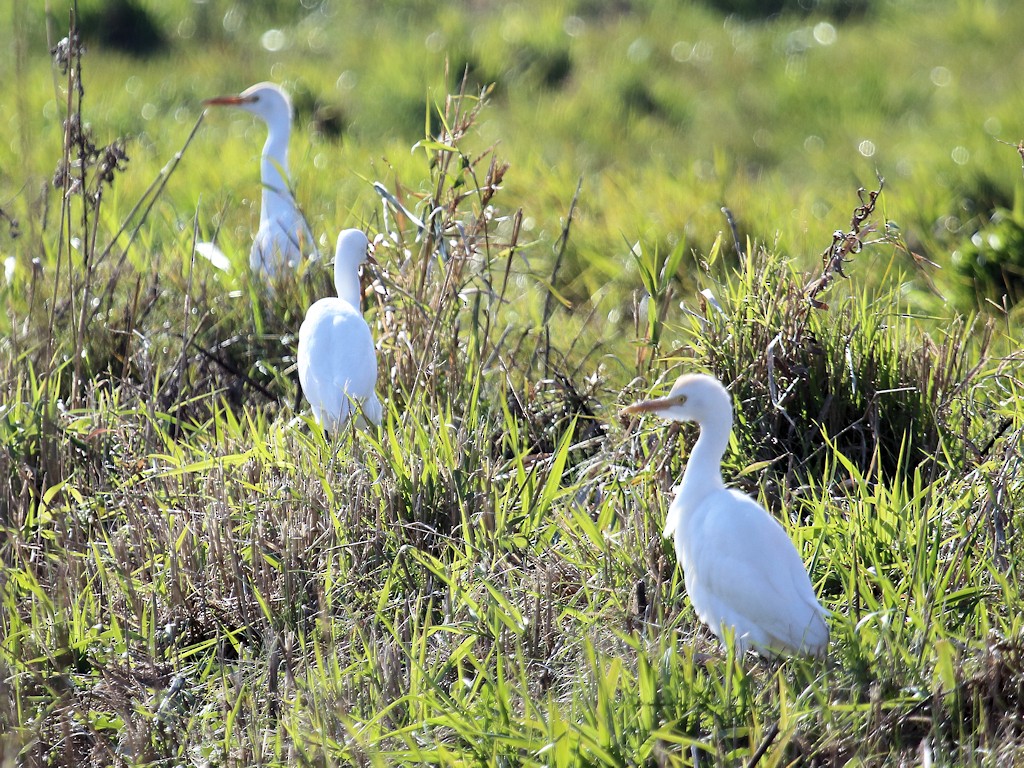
x,y
283,236
337,360
741,570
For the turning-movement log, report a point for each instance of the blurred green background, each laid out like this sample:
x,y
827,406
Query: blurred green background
x,y
667,111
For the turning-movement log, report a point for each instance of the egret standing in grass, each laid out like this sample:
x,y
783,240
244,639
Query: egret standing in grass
x,y
337,359
742,572
283,236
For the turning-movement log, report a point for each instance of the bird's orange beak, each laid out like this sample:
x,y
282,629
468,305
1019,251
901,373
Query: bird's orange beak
x,y
647,406
228,101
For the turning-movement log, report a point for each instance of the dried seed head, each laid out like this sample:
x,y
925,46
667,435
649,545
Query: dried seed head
x,y
112,159
66,51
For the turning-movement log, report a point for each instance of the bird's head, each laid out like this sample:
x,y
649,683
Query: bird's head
x,y
351,251
352,248
694,397
265,100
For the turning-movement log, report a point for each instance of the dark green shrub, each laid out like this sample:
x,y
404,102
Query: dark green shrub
x,y
123,25
993,257
762,9
850,368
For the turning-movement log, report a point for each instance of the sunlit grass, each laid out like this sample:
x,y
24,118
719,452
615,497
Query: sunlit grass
x,y
193,572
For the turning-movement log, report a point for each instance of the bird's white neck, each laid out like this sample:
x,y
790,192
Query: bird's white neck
x,y
703,473
346,281
274,173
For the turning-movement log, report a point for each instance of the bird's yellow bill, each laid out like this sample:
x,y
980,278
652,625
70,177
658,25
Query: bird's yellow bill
x,y
227,100
647,406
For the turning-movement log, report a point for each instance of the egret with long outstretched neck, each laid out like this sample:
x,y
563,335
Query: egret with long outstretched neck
x,y
741,570
283,236
337,359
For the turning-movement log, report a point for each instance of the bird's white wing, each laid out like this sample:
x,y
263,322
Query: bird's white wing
x,y
337,361
750,576
675,512
214,255
280,242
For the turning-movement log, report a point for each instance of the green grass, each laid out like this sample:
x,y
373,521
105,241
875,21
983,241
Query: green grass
x,y
191,572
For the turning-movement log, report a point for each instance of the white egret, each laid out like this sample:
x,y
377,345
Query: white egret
x,y
741,570
337,359
283,235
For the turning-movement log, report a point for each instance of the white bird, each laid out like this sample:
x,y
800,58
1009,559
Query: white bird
x,y
337,359
283,235
741,570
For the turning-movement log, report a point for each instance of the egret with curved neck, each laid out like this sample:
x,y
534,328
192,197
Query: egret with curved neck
x,y
283,235
742,573
337,360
